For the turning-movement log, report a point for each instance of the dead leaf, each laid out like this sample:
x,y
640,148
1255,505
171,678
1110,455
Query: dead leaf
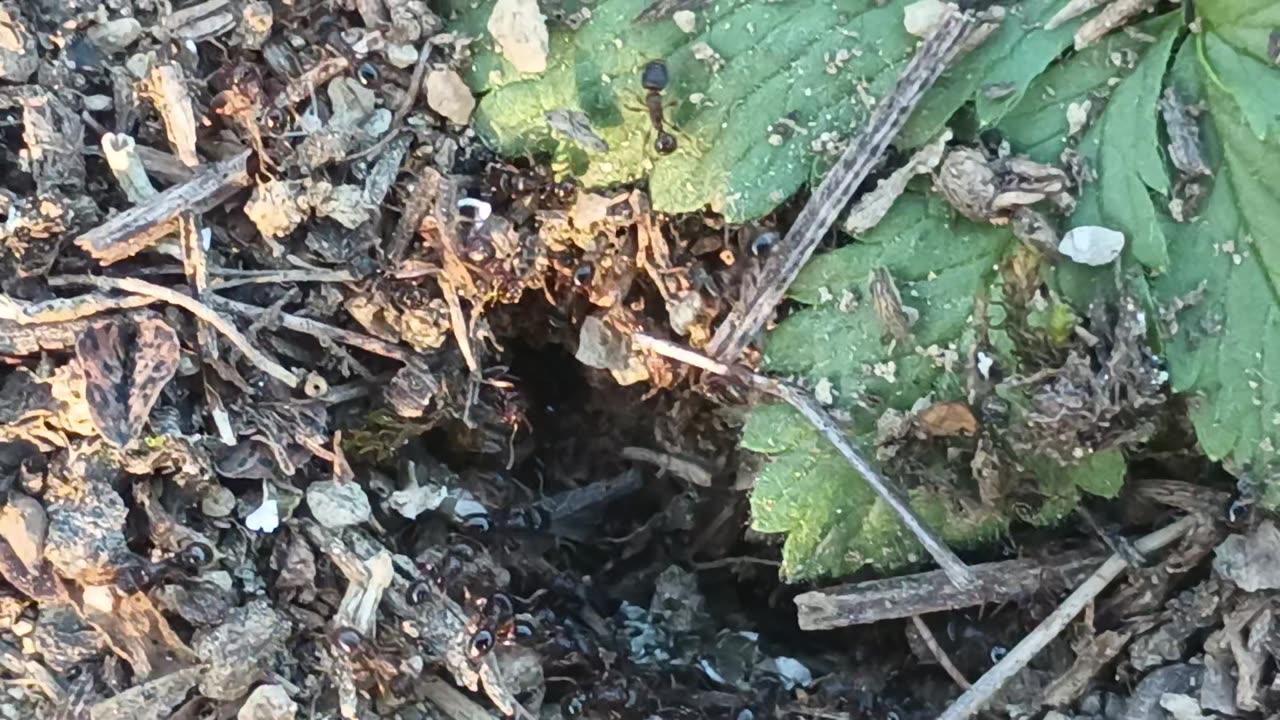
x,y
126,364
947,419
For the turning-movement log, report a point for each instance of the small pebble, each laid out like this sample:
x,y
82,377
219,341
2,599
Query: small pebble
x,y
520,30
400,56
336,505
448,95
268,702
1092,245
115,35
686,20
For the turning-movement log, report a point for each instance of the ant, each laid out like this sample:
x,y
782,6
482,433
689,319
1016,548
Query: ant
x,y
654,79
493,620
142,575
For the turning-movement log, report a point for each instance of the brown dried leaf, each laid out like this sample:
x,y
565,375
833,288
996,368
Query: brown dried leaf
x,y
946,419
126,364
137,632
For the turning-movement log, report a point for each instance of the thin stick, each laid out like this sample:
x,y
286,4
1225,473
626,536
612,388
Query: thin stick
x,y
976,697
936,53
61,310
683,467
203,312
283,276
893,598
938,653
317,329
959,573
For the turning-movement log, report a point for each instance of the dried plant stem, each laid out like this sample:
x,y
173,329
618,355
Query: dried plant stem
x,y
976,697
61,310
938,653
953,36
273,277
201,311
315,328
893,598
957,572
1113,16
681,467
168,91
1073,10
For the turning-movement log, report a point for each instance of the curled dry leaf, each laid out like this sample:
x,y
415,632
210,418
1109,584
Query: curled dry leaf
x,y
126,364
946,419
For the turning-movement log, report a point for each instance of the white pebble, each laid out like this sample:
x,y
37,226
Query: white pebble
x,y
1092,245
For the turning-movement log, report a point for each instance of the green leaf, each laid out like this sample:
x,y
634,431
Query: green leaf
x,y
1244,24
1252,84
1101,473
1121,146
1123,149
789,81
834,521
1224,350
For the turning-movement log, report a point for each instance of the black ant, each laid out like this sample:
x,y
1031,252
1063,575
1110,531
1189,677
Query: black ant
x,y
654,79
143,575
496,623
367,662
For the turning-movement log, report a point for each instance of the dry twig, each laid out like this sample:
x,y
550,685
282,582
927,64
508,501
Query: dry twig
x,y
954,35
201,311
142,226
275,277
682,467
938,653
316,328
928,592
976,697
959,573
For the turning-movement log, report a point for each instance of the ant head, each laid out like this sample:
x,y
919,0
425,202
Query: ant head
x,y
665,144
654,76
194,556
347,639
480,644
